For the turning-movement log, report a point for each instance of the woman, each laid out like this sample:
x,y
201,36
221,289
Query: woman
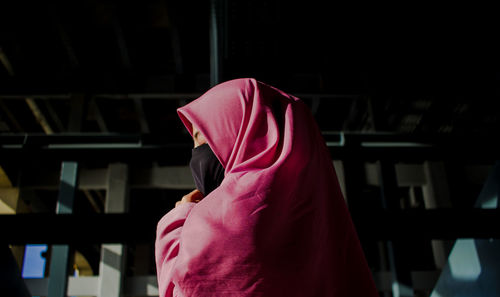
x,y
268,217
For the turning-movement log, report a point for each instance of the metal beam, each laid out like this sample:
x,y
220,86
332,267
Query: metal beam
x,y
214,42
59,261
179,155
412,225
6,63
365,147
39,116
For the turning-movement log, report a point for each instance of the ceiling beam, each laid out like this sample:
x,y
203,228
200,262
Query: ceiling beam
x,y
39,116
6,63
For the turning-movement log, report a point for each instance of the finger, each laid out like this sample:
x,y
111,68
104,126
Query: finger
x,y
193,196
196,195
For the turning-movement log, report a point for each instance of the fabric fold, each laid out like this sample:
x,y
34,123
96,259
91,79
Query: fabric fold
x,y
277,225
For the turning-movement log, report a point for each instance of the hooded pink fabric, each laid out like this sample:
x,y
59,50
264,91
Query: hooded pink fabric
x,y
278,224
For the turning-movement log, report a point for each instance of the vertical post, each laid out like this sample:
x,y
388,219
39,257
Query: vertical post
x,y
437,195
214,43
58,279
401,275
112,265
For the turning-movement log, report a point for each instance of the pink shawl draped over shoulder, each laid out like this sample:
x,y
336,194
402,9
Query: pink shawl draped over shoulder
x,y
278,224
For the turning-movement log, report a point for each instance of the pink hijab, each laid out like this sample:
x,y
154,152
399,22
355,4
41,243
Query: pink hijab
x,y
277,225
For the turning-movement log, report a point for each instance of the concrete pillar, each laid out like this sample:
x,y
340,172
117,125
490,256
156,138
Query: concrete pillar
x,y
60,253
112,265
437,195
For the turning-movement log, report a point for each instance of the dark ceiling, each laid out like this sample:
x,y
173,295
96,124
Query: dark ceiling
x,y
125,67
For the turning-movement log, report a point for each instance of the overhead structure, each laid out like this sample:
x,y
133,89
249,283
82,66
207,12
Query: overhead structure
x,y
89,93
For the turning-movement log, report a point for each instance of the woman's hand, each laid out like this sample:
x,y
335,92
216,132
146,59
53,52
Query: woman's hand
x,y
195,196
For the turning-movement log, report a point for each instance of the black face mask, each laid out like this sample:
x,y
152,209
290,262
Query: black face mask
x,y
207,171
